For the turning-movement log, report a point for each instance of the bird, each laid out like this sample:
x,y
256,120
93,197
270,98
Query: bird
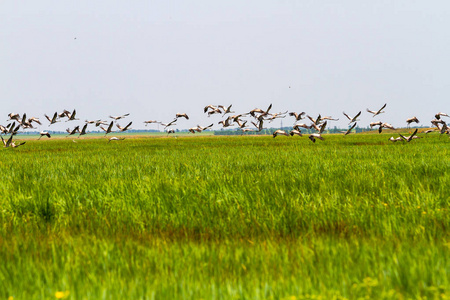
x,y
52,120
409,138
277,116
204,128
226,110
44,133
13,116
13,145
33,119
64,114
315,121
122,129
210,106
354,119
302,125
150,122
385,125
225,123
277,132
260,111
7,143
170,123
329,118
378,111
10,143
119,117
350,129
109,129
72,116
194,130
83,130
73,131
182,115
93,121
245,130
295,132
375,124
413,119
392,139
297,116
440,114
199,128
115,139
315,136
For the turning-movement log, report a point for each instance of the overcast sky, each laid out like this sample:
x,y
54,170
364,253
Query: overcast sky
x,y
153,59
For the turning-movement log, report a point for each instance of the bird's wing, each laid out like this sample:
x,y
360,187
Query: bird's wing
x,y
347,116
110,126
322,128
129,124
9,141
414,133
403,137
357,115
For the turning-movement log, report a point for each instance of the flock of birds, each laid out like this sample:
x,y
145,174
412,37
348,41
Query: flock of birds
x,y
253,120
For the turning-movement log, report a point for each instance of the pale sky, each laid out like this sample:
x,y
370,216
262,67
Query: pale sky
x,y
153,59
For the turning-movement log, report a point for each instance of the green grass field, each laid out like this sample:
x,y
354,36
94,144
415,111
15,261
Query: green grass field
x,y
226,218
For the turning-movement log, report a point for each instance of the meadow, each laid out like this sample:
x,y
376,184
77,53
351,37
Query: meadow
x,y
354,217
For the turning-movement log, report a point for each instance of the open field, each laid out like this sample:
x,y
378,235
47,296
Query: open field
x,y
226,218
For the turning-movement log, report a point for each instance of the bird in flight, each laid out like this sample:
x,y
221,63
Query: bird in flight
x,y
119,117
380,111
354,119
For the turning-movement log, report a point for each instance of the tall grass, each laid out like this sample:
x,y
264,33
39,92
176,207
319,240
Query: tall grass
x,y
226,217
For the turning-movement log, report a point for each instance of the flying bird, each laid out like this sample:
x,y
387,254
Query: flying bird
x,y
72,116
73,131
122,129
409,138
354,119
350,129
109,129
277,132
411,120
315,136
182,115
295,132
44,133
150,122
83,130
378,111
115,139
440,114
297,116
119,117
